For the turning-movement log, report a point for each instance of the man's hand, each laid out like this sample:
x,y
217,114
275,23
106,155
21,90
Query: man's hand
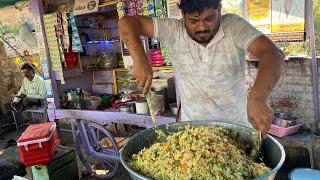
x,y
142,72
130,30
22,96
260,115
270,62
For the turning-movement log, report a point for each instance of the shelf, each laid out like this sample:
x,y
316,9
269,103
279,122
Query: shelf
x,y
103,83
125,70
163,68
98,28
107,4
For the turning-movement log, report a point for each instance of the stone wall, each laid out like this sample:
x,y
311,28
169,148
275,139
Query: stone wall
x,y
293,93
10,82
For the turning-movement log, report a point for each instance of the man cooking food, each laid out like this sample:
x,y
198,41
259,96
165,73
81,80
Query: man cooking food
x,y
207,51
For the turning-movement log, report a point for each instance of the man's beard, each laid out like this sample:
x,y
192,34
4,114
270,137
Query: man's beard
x,y
205,40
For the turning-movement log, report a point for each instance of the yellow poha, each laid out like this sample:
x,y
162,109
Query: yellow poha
x,y
197,153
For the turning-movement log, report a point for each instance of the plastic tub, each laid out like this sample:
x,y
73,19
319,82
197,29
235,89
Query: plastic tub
x,y
304,174
284,131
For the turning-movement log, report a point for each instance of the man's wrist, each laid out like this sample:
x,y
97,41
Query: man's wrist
x,y
258,95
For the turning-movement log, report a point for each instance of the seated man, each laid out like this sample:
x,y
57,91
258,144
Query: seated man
x,y
32,91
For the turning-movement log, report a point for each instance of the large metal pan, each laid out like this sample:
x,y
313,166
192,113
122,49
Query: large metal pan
x,y
274,154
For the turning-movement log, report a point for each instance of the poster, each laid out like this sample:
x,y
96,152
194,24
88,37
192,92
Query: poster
x,y
18,30
173,9
288,15
47,82
259,14
280,20
45,69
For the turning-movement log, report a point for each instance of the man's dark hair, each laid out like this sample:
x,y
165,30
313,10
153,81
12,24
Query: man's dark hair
x,y
28,67
192,6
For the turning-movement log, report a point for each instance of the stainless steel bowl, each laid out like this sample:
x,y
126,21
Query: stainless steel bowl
x,y
173,108
284,120
125,108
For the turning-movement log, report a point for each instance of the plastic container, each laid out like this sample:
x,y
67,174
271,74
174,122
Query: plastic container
x,y
284,120
142,107
156,57
284,131
174,108
38,143
95,101
304,174
71,59
107,55
157,104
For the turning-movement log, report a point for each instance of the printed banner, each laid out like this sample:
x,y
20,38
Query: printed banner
x,y
259,14
173,9
288,15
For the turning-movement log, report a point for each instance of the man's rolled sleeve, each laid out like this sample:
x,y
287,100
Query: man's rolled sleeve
x,y
243,32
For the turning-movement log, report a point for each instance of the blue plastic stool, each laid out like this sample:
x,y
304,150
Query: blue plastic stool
x,y
304,174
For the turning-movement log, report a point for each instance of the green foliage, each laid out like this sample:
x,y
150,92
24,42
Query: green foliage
x,y
303,48
317,23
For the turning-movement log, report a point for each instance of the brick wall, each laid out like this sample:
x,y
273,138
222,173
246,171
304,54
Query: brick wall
x,y
293,93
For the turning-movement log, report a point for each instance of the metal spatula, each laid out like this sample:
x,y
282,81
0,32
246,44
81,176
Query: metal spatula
x,y
256,144
152,113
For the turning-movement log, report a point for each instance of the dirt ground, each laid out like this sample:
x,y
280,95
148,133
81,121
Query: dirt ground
x,y
67,140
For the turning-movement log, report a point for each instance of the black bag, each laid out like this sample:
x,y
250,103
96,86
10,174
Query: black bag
x,y
11,167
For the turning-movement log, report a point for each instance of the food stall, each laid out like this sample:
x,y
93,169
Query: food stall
x,y
84,81
78,75
85,66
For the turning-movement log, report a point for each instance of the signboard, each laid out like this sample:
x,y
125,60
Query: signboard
x,y
281,20
287,37
173,9
288,15
85,6
259,14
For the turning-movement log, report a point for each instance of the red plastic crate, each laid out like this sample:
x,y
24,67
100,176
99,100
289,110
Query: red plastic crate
x,y
38,143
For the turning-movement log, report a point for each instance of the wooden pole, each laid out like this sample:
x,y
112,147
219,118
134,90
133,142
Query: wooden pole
x,y
314,68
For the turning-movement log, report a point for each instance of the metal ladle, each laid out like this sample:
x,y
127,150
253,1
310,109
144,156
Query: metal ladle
x,y
152,113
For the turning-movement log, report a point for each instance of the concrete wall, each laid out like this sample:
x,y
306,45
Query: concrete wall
x,y
293,93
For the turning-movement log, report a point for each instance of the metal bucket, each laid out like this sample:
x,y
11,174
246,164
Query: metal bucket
x,y
274,154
